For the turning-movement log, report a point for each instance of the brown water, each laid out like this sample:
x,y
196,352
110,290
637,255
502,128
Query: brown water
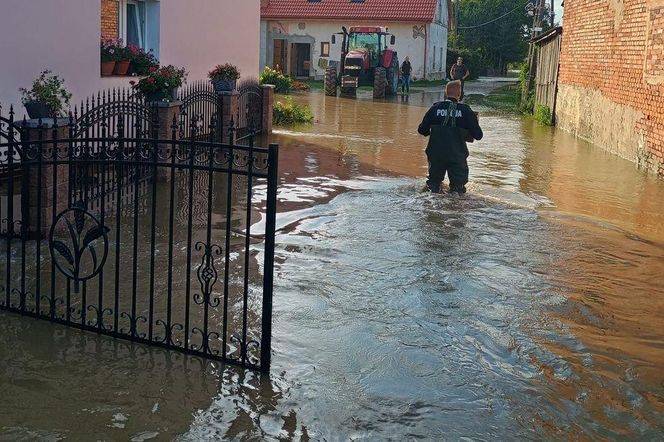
x,y
531,308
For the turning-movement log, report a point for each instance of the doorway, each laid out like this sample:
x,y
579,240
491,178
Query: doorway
x,y
300,60
280,59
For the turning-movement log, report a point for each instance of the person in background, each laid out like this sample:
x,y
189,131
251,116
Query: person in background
x,y
460,72
406,69
449,125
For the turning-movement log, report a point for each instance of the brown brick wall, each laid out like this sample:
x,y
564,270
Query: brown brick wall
x,y
109,18
616,47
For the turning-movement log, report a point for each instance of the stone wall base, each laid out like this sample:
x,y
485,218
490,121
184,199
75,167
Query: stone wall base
x,y
591,116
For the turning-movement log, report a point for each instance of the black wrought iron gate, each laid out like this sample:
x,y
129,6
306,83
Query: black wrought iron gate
x,y
109,227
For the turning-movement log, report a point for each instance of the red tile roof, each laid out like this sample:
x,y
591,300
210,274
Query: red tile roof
x,y
374,10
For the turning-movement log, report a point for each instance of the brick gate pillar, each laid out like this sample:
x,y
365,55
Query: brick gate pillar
x,y
41,174
168,113
229,110
268,102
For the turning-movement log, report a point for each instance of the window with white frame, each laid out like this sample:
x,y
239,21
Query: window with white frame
x,y
132,22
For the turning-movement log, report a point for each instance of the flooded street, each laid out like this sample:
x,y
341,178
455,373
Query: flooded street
x,y
531,308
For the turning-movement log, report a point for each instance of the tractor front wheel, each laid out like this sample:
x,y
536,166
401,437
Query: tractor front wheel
x,y
380,80
331,81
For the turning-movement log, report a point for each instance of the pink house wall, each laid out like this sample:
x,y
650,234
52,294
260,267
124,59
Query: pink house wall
x,y
63,35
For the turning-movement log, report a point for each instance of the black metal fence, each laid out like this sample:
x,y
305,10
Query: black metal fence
x,y
250,109
200,103
163,240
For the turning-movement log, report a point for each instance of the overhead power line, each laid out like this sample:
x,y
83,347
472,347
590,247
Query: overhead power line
x,y
495,19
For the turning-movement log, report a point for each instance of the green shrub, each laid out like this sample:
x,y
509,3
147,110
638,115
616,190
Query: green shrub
x,y
543,115
281,83
286,111
523,73
527,106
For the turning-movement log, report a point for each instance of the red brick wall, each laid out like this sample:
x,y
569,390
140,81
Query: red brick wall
x,y
617,48
109,18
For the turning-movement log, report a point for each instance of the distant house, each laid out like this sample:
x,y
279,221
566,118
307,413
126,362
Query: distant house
x,y
296,34
64,36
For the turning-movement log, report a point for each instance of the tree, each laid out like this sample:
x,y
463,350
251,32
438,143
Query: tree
x,y
496,30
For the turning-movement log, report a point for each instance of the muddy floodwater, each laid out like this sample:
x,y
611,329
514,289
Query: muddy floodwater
x,y
531,308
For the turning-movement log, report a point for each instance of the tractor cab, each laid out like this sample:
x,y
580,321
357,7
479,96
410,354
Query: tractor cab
x,y
365,46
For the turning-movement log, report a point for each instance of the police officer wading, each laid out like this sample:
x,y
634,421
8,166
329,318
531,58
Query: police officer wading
x,y
449,125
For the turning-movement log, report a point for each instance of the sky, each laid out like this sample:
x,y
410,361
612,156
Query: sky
x,y
559,10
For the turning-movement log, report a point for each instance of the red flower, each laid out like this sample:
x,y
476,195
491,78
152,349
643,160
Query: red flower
x,y
151,80
132,82
154,69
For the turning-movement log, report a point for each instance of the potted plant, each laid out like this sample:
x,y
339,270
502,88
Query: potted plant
x,y
109,56
141,61
224,77
161,84
122,61
47,97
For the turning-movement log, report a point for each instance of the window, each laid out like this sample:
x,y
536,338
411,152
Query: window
x,y
135,22
434,58
132,22
366,41
441,59
325,49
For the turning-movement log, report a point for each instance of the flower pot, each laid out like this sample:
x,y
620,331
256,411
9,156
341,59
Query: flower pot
x,y
168,95
121,67
224,85
107,68
37,109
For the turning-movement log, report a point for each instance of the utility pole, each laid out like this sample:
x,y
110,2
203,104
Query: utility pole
x,y
553,13
537,10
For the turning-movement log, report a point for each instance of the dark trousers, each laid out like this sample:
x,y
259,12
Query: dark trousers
x,y
456,170
405,83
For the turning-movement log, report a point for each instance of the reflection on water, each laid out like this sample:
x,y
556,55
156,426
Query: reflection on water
x,y
532,308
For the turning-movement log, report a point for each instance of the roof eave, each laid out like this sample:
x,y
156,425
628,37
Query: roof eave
x,y
548,35
373,19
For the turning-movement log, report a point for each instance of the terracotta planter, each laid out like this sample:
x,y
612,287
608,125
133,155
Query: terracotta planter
x,y
121,67
107,68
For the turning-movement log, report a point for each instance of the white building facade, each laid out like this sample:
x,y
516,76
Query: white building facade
x,y
64,36
296,34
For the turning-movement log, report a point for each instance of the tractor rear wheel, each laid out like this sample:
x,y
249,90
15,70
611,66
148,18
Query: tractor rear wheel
x,y
331,81
380,80
392,85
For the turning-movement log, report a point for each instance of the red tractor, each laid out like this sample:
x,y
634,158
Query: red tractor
x,y
365,61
